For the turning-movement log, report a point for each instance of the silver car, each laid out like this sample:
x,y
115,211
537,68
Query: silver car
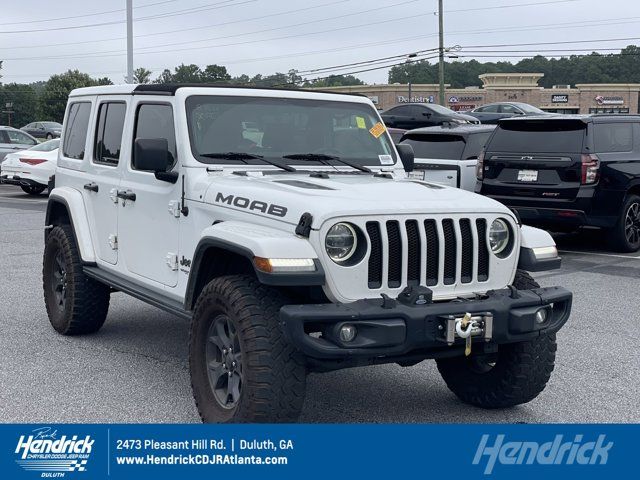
x,y
12,140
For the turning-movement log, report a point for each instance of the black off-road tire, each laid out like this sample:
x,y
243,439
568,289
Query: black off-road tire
x,y
517,374
625,235
33,189
273,381
85,301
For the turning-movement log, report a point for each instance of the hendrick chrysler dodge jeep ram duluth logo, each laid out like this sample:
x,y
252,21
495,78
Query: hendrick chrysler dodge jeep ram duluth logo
x,y
256,205
51,454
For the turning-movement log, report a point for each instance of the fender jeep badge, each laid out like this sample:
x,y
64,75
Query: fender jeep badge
x,y
256,205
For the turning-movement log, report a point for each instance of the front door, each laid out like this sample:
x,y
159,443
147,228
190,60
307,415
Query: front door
x,y
148,231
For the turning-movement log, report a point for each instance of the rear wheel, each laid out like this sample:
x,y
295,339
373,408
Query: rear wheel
x,y
516,374
625,236
76,304
242,368
49,136
33,189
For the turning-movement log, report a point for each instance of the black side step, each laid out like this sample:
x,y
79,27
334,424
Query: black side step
x,y
141,293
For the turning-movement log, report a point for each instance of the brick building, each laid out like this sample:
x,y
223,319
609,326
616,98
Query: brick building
x,y
514,87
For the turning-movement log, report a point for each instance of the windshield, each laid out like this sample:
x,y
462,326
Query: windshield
x,y
52,125
46,146
276,127
528,108
440,109
447,147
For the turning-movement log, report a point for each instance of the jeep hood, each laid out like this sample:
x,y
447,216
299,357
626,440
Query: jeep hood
x,y
340,195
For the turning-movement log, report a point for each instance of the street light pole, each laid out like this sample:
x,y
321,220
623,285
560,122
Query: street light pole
x,y
441,53
129,41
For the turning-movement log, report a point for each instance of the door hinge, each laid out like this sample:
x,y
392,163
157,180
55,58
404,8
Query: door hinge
x,y
172,261
174,208
113,241
113,195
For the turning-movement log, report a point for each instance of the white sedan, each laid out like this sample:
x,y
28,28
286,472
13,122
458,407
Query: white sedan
x,y
31,169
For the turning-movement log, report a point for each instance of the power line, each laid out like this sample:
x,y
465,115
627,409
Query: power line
x,y
117,53
106,12
182,30
214,6
500,7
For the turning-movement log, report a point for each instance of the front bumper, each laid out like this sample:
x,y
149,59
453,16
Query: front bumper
x,y
392,329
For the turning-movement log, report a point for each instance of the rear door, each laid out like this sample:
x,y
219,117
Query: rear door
x,y
535,158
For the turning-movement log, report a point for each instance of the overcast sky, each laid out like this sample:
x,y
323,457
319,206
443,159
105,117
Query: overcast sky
x,y
265,36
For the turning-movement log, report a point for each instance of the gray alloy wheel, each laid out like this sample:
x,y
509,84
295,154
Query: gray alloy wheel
x,y
224,362
632,223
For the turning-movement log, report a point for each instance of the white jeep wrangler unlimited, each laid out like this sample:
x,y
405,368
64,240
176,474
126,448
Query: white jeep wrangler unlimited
x,y
283,225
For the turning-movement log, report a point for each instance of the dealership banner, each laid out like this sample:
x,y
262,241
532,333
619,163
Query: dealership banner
x,y
88,452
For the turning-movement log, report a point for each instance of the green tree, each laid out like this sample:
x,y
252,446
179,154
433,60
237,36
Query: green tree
x,y
335,81
215,74
187,74
142,75
165,77
53,99
24,103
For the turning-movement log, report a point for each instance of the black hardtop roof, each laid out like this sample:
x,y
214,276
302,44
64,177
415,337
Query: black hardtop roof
x,y
585,118
171,88
463,130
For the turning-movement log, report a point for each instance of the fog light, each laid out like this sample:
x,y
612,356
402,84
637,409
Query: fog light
x,y
541,316
348,333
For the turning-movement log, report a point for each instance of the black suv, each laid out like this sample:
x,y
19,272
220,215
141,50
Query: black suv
x,y
568,171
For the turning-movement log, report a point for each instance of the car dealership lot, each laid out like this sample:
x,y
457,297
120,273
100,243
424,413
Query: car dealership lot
x,y
135,368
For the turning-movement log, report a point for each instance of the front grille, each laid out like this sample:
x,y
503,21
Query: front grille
x,y
409,252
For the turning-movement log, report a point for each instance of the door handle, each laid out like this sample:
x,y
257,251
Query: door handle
x,y
91,187
126,195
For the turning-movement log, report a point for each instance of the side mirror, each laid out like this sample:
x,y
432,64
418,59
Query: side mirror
x,y
152,155
407,156
426,114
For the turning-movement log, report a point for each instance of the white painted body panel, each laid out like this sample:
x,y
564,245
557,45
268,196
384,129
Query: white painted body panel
x,y
12,166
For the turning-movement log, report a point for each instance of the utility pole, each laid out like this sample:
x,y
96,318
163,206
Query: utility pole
x,y
129,41
441,53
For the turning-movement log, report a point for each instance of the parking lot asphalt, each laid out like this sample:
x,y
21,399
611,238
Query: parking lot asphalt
x,y
135,368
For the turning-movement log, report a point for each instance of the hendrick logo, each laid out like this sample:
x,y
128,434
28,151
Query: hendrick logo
x,y
255,205
556,452
52,454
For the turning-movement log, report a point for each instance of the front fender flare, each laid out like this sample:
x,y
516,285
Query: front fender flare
x,y
73,202
252,241
538,251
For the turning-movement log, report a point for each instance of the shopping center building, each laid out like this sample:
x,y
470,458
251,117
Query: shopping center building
x,y
510,87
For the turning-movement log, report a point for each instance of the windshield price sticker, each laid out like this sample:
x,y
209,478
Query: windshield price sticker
x,y
377,130
386,159
361,123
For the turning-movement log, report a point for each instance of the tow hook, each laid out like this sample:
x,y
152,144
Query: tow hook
x,y
466,327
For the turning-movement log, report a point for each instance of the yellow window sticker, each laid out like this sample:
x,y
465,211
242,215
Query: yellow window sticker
x,y
377,130
361,123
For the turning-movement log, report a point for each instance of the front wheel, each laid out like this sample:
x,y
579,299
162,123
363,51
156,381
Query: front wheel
x,y
516,374
242,368
625,236
33,189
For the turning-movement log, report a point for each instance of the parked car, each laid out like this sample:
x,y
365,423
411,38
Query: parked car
x,y
448,154
31,169
396,134
13,140
492,112
418,115
297,256
46,130
568,171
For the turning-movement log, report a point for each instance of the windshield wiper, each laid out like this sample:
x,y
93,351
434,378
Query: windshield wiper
x,y
242,156
323,157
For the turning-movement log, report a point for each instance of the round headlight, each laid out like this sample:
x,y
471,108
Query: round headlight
x,y
341,242
499,236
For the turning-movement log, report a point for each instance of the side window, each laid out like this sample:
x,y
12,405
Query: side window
x,y
108,139
613,137
491,108
75,135
156,121
16,137
506,108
